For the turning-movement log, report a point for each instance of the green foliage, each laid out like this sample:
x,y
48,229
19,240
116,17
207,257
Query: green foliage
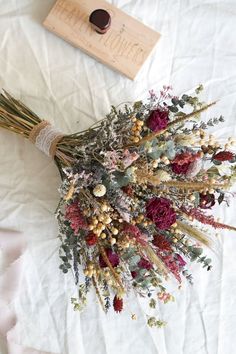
x,y
153,322
152,303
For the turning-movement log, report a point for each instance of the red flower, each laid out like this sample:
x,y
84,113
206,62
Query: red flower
x,y
180,169
157,120
113,258
223,156
128,190
185,157
161,242
182,162
144,264
159,210
118,304
206,200
91,239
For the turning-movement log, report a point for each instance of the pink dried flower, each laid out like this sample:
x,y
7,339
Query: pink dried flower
x,y
129,158
74,215
152,94
171,265
165,297
111,160
134,231
206,219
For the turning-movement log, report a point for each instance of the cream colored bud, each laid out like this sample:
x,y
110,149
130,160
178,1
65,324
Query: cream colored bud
x,y
107,220
154,164
114,230
164,158
90,273
99,190
101,217
113,241
103,235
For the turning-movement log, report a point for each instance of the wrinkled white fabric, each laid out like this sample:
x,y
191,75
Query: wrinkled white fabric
x,y
72,91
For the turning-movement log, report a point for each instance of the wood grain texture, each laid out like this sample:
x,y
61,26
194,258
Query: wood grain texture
x,y
125,46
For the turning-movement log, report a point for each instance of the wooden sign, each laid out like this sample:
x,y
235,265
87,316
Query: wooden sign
x,y
124,47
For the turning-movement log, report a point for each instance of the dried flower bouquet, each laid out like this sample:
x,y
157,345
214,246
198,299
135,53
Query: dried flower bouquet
x,y
135,194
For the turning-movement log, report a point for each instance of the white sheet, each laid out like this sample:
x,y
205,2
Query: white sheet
x,y
68,88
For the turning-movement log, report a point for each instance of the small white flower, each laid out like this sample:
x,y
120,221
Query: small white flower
x,y
99,190
163,176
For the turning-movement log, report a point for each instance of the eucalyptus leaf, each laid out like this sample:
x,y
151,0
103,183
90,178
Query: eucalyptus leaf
x,y
217,163
155,154
175,101
221,198
173,109
185,97
134,260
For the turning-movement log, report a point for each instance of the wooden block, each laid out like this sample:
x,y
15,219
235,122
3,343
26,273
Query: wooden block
x,y
124,47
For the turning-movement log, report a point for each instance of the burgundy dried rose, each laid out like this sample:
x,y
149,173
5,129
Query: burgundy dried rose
x,y
223,156
91,239
186,157
118,304
183,161
159,210
134,274
180,169
112,256
161,242
206,200
157,120
144,264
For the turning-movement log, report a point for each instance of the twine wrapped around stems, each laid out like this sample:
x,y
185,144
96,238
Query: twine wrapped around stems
x,y
45,137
